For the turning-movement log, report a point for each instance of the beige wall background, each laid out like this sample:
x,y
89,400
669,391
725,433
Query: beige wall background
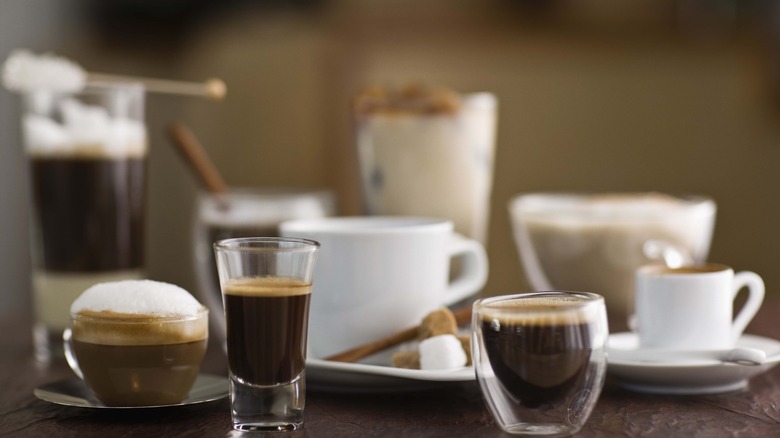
x,y
594,96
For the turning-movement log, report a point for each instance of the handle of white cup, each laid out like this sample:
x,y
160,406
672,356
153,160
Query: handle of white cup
x,y
755,286
474,270
70,356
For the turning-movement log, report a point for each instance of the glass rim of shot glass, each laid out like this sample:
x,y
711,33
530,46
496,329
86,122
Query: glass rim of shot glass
x,y
498,304
266,244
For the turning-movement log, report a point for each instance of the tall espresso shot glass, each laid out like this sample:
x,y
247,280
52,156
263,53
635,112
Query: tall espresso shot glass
x,y
266,288
540,359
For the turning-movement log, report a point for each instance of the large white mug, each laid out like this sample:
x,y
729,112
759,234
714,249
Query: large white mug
x,y
691,307
377,275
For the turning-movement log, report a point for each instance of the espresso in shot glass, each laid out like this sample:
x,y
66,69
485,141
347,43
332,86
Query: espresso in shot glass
x,y
137,343
266,287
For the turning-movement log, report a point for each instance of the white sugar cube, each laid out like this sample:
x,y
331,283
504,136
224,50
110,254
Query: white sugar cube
x,y
441,352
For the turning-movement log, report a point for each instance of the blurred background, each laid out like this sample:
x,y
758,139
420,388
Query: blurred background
x,y
677,96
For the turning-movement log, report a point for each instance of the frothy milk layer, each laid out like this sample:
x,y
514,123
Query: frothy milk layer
x,y
138,312
137,297
85,130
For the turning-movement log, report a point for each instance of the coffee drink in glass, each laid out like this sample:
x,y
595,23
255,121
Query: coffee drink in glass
x,y
137,342
596,242
87,164
540,359
266,285
427,153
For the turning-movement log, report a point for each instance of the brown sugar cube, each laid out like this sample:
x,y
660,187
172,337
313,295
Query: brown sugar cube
x,y
438,322
406,359
465,342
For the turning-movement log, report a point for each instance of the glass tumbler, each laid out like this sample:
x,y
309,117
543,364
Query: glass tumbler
x,y
540,359
420,157
266,288
87,156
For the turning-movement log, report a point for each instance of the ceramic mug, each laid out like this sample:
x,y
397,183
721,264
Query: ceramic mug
x,y
380,274
691,307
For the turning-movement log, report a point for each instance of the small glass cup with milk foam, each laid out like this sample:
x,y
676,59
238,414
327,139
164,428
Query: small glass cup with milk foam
x,y
427,153
137,342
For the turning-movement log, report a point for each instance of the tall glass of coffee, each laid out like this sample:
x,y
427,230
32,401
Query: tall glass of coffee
x,y
426,152
266,288
87,159
540,359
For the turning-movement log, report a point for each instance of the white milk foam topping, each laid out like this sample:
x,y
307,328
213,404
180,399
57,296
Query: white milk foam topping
x,y
85,130
144,297
24,71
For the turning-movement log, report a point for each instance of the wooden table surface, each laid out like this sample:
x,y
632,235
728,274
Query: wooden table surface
x,y
455,410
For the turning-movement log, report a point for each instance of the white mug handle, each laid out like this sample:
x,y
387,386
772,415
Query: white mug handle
x,y
70,356
755,286
474,270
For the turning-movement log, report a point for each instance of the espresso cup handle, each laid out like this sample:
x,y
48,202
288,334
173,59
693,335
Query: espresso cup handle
x,y
70,356
474,269
755,286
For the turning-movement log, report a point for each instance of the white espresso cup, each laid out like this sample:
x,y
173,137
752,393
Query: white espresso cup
x,y
691,307
377,275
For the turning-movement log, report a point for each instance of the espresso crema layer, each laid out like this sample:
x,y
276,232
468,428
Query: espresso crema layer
x,y
541,311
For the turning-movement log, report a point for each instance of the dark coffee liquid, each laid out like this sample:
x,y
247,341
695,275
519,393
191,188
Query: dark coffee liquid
x,y
538,363
89,212
140,375
267,323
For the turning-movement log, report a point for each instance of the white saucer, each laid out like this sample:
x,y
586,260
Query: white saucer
x,y
699,376
375,374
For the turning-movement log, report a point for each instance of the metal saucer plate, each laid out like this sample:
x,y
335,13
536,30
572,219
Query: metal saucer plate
x,y
74,392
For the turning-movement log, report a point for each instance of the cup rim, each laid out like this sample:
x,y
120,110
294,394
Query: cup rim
x,y
692,270
267,244
360,225
691,204
281,193
490,303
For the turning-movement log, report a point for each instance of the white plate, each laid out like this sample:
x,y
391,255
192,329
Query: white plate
x,y
375,374
74,392
690,376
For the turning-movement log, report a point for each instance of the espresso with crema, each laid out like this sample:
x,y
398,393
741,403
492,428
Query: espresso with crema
x,y
540,359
